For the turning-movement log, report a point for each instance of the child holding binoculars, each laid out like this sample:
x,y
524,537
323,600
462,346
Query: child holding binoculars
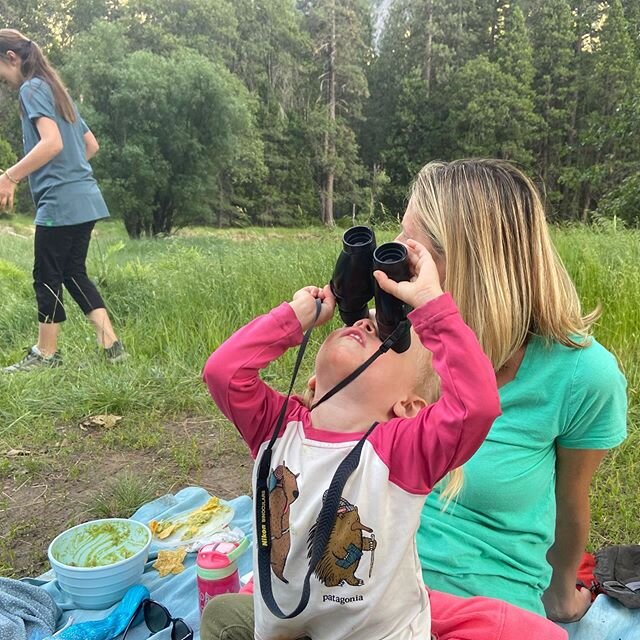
x,y
365,580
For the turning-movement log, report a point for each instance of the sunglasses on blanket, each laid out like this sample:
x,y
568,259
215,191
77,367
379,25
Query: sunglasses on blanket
x,y
157,618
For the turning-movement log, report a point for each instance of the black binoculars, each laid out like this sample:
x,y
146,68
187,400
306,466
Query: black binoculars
x,y
353,284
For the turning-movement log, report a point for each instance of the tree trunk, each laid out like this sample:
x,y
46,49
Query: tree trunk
x,y
329,139
429,51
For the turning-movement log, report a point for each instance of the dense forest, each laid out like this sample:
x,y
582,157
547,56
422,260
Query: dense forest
x,y
277,112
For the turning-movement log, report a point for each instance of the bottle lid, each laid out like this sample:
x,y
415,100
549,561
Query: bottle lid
x,y
212,564
217,559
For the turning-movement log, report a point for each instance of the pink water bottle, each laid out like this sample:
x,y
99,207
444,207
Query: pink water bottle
x,y
216,570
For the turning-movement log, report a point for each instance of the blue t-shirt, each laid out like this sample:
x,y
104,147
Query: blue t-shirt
x,y
64,190
493,538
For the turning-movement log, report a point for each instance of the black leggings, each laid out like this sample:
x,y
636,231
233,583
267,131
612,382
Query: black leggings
x,y
60,256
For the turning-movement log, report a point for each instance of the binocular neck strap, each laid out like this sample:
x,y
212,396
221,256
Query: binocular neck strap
x,y
331,500
384,347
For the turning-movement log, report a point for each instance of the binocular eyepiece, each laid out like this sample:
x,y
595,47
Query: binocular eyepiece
x,y
353,283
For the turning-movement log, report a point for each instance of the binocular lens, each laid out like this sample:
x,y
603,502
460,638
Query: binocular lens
x,y
393,259
389,253
352,281
358,238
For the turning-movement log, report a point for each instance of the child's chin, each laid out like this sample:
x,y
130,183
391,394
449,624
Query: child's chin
x,y
340,363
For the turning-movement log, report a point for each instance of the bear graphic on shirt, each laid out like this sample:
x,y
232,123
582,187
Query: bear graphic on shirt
x,y
283,490
342,555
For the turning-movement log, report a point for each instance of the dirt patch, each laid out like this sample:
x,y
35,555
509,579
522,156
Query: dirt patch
x,y
40,501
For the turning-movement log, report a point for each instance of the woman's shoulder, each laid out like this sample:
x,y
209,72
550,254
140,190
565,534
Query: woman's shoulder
x,y
595,365
590,358
597,403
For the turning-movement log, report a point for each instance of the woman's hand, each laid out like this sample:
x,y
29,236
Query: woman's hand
x,y
568,609
7,191
425,281
304,306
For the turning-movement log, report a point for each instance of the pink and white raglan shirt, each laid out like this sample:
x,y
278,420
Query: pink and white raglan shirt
x,y
368,585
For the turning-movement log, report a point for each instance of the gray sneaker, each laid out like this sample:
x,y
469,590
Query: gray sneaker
x,y
116,353
34,360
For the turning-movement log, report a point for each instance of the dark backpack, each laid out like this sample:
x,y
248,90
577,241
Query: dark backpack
x,y
618,573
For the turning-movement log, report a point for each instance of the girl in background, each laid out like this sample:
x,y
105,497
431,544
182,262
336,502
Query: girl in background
x,y
58,146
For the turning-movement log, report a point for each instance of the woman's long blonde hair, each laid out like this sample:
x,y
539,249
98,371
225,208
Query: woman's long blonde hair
x,y
34,64
487,220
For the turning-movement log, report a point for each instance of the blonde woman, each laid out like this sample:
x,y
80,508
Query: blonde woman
x,y
518,527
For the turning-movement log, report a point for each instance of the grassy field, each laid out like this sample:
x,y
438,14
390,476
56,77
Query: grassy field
x,y
173,300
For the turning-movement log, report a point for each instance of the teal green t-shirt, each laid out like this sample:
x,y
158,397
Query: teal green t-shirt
x,y
493,539
64,190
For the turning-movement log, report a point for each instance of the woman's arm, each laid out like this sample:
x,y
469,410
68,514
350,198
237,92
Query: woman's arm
x,y
91,144
574,471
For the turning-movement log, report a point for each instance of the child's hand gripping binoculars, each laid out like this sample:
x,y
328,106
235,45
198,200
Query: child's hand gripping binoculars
x,y
353,284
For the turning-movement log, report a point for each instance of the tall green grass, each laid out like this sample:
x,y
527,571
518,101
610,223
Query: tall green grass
x,y
173,300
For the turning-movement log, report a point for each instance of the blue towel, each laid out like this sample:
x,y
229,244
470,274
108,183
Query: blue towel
x,y
112,625
26,612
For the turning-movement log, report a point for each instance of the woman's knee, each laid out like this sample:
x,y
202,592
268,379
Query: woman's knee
x,y
228,617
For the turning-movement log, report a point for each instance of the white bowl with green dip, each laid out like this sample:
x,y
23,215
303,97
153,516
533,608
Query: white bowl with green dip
x,y
96,562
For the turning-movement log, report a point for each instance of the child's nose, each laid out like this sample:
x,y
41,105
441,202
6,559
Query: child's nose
x,y
366,325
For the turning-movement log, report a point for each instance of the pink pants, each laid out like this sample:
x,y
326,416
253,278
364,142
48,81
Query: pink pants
x,y
478,618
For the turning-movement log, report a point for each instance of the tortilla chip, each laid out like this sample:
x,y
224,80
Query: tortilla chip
x,y
170,562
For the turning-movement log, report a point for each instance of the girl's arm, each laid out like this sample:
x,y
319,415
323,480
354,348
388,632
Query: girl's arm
x,y
419,451
48,147
232,371
91,144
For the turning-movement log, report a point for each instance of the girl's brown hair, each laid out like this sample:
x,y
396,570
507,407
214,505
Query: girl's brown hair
x,y
34,64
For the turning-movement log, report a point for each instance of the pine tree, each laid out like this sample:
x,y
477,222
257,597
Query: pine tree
x,y
341,34
424,43
611,134
513,50
552,34
273,59
489,115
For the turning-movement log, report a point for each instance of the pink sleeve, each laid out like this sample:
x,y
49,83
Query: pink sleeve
x,y
420,451
232,373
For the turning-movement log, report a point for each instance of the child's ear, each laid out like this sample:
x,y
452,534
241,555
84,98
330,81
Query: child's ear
x,y
312,384
409,407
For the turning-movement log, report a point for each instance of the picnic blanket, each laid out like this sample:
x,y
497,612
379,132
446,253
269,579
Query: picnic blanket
x,y
605,620
178,593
